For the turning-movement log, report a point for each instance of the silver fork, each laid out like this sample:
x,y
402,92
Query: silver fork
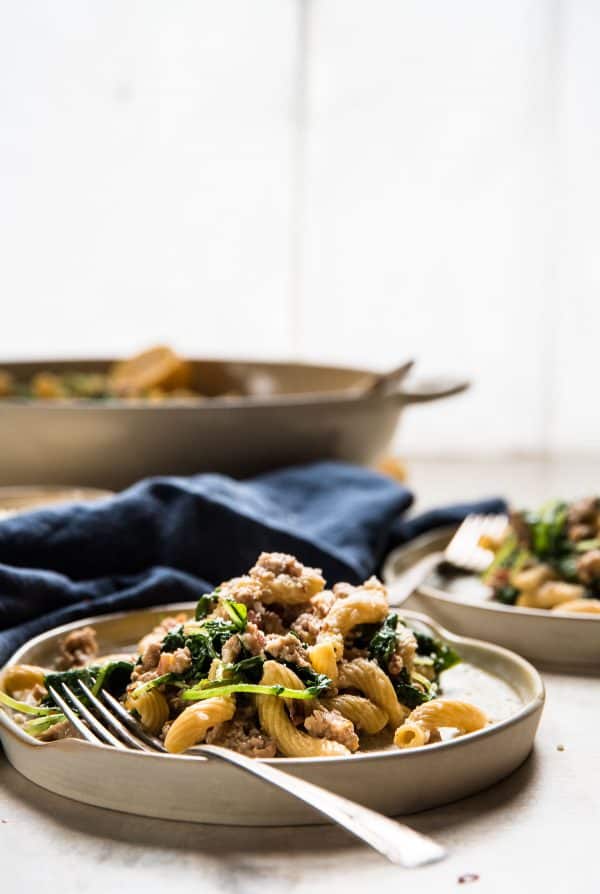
x,y
105,721
464,551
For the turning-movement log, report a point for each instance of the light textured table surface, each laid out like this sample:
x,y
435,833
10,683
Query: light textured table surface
x,y
536,831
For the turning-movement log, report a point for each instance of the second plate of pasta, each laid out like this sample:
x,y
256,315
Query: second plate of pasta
x,y
463,602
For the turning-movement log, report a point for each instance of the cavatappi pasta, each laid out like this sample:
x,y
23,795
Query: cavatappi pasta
x,y
550,559
272,663
425,721
155,375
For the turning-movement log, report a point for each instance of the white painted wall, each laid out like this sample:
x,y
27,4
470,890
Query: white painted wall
x,y
352,180
576,418
145,187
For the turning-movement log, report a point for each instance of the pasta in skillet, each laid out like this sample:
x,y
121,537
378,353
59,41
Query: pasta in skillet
x,y
271,664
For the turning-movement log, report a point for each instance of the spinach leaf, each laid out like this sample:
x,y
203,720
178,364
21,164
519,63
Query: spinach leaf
x,y
206,604
509,554
204,644
114,676
248,670
173,640
200,647
238,613
410,695
548,528
507,594
202,652
317,683
362,635
71,679
383,643
442,655
218,632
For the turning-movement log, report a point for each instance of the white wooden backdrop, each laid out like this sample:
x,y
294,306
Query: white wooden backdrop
x,y
348,180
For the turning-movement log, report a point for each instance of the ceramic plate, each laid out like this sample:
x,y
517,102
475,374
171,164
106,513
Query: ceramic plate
x,y
463,603
194,788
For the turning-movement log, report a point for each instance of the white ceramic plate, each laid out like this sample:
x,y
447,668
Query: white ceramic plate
x,y
196,789
463,602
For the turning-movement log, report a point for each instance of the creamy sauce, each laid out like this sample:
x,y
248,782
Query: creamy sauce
x,y
471,684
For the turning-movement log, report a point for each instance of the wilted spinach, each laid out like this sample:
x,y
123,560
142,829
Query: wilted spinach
x,y
383,643
114,676
408,694
442,655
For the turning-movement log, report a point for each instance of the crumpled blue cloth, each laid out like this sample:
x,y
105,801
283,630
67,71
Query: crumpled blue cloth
x,y
173,539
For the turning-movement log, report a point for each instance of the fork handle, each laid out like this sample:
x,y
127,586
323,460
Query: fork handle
x,y
399,843
405,585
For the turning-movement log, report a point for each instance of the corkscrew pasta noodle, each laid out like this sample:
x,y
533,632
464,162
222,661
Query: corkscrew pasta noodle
x,y
21,678
366,716
271,711
153,710
323,658
368,678
436,714
192,725
363,607
587,606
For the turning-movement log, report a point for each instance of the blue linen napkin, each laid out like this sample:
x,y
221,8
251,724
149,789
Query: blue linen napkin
x,y
173,539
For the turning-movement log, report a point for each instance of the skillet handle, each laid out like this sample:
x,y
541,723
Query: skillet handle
x,y
422,390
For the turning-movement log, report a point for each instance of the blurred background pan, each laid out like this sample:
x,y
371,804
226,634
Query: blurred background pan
x,y
254,416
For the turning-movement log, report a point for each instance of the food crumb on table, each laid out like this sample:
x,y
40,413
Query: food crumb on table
x,y
560,747
468,877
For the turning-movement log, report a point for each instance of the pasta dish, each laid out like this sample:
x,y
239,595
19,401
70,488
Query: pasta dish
x,y
271,664
550,559
156,374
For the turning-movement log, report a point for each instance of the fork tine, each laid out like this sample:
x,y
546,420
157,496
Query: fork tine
x,y
498,526
113,724
101,731
465,551
130,722
72,717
